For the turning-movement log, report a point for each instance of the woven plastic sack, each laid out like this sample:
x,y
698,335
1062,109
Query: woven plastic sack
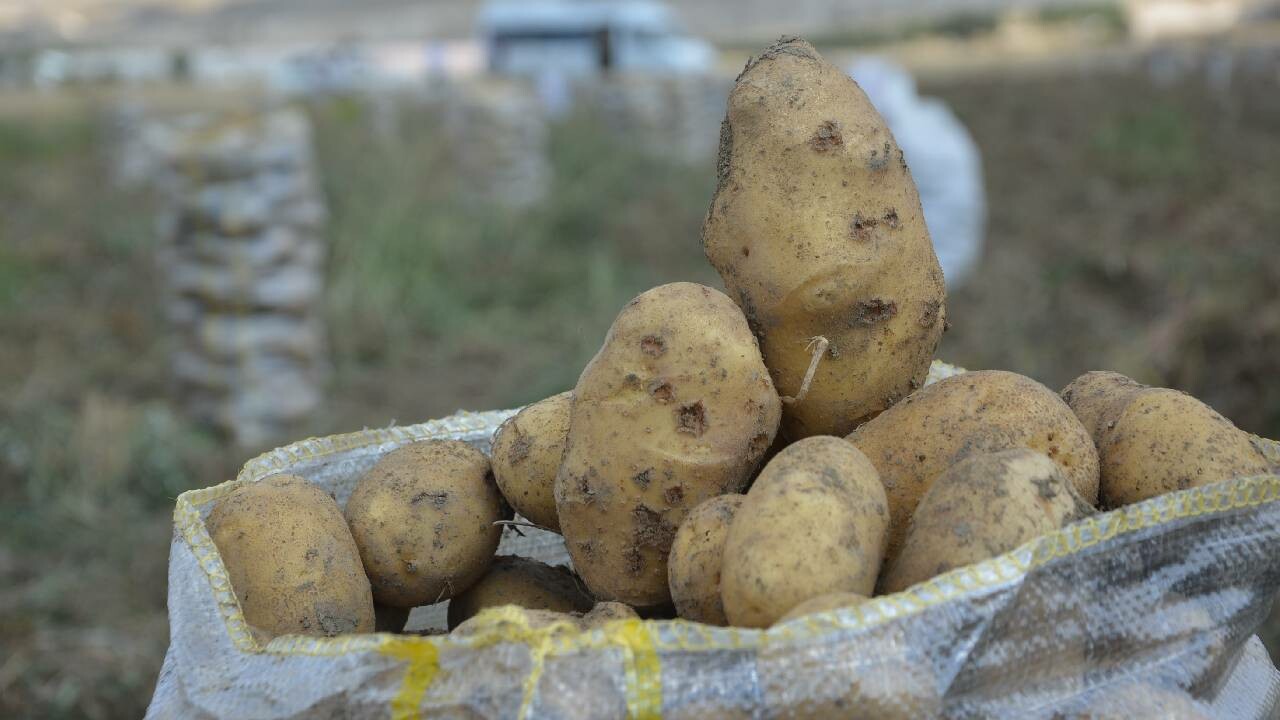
x,y
1148,611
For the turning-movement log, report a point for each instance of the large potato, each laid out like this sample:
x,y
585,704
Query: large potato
x,y
1097,397
814,523
693,569
291,559
423,518
984,506
526,457
1164,440
816,229
677,407
916,440
513,580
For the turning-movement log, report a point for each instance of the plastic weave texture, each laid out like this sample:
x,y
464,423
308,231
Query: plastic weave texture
x,y
1146,611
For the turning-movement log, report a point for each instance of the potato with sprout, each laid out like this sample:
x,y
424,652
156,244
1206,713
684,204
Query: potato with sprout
x,y
817,231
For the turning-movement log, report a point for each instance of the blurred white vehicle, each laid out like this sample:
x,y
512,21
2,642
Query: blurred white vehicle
x,y
943,159
582,37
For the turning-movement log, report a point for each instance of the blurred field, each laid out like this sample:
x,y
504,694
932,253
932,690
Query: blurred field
x,y
1131,227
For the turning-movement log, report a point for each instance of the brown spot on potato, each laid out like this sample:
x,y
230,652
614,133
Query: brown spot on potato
x,y
673,495
827,138
661,391
643,477
635,561
520,447
758,445
929,315
437,498
653,345
880,160
692,419
861,226
891,219
651,529
875,311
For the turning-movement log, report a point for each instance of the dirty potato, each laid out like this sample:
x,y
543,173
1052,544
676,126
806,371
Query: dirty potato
x,y
514,580
984,506
533,619
606,612
423,518
677,407
814,523
693,569
1096,397
816,229
918,439
291,559
1164,440
526,456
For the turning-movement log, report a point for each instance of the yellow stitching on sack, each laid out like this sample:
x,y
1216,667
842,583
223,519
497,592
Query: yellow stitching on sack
x,y
423,660
643,668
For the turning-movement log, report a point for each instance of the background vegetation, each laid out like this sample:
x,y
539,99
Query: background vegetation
x,y
1131,227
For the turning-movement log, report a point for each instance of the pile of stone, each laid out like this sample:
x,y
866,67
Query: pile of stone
x,y
675,115
498,137
244,262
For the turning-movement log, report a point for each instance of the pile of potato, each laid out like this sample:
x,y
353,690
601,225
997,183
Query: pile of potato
x,y
739,459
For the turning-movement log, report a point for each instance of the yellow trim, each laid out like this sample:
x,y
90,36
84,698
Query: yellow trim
x,y
643,668
423,663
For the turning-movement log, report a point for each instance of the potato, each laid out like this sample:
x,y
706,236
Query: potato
x,y
513,580
916,440
814,523
677,407
984,506
389,619
1164,440
1096,397
291,559
607,612
526,456
693,569
816,229
823,603
535,619
423,518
